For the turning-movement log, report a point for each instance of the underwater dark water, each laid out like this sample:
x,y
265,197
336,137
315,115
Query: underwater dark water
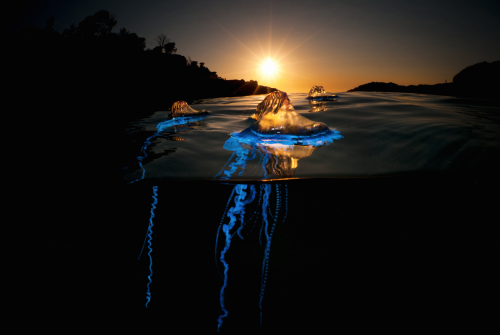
x,y
355,253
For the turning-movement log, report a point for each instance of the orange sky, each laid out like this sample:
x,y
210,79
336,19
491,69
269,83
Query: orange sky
x,y
336,66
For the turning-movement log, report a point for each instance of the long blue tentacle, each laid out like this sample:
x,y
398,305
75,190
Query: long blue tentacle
x,y
265,262
256,212
286,202
226,228
249,200
265,204
225,165
150,234
147,142
218,229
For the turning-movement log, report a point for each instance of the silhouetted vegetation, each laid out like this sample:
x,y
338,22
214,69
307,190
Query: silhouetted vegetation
x,y
88,65
475,81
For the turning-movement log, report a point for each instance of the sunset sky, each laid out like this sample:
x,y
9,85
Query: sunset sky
x,y
336,44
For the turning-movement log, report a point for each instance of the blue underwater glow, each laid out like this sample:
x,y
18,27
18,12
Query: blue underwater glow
x,y
242,156
238,209
245,194
323,98
269,236
161,127
249,144
249,136
218,229
150,235
176,121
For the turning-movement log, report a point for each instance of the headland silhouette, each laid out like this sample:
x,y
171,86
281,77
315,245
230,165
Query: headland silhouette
x,y
476,81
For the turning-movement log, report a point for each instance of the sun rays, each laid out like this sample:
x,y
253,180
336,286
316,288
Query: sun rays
x,y
269,68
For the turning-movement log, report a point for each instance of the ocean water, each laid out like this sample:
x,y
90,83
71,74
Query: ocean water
x,y
383,134
387,226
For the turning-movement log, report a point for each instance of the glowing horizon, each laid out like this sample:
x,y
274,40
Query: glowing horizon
x,y
338,45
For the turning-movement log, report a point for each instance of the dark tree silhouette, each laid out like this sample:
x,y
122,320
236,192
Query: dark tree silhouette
x,y
162,40
170,48
99,24
130,42
164,45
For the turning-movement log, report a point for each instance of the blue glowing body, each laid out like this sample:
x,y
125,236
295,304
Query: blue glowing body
x,y
249,144
252,137
164,125
323,98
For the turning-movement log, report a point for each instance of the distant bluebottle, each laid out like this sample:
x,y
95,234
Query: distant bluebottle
x,y
318,93
181,114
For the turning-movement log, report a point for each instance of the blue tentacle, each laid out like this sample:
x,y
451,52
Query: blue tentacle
x,y
218,229
226,228
150,234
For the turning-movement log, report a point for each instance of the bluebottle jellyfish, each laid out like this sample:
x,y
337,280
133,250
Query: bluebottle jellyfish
x,y
277,140
182,116
181,108
319,93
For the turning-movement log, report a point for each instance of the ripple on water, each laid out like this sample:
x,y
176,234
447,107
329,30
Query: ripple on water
x,y
383,133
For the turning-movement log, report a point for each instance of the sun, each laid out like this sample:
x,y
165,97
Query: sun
x,y
269,67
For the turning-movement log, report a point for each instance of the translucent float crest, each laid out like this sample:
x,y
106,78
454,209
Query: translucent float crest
x,y
272,103
316,91
319,93
181,108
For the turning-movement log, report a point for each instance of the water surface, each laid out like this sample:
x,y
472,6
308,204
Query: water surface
x,y
383,134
